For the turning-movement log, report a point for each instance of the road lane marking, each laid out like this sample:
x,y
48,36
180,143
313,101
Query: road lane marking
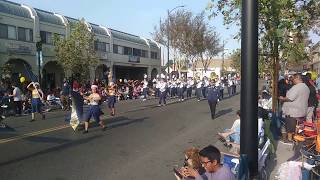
x,y
31,134
35,133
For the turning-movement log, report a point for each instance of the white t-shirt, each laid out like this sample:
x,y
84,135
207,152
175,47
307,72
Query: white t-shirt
x,y
162,86
199,84
299,95
190,83
50,97
17,93
145,84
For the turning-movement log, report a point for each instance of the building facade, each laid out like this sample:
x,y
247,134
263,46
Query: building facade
x,y
216,67
124,55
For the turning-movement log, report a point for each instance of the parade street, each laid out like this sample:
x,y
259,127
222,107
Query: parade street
x,y
142,141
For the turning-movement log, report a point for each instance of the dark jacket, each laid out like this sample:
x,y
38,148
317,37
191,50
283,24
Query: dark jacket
x,y
213,93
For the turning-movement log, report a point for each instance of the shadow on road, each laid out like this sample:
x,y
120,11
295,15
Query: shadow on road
x,y
123,121
223,112
67,145
40,139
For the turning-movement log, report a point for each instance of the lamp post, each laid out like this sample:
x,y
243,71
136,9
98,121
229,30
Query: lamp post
x,y
39,52
168,36
222,65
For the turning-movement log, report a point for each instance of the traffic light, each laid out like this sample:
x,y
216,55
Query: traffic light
x,y
39,46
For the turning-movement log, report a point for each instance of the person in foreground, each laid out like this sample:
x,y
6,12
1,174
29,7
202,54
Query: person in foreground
x,y
210,159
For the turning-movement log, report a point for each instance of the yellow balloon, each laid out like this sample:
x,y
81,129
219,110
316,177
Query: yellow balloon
x,y
313,75
22,79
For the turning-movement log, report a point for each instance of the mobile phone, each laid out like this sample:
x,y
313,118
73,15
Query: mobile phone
x,y
177,173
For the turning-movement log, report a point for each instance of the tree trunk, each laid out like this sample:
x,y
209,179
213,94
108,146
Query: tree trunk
x,y
275,76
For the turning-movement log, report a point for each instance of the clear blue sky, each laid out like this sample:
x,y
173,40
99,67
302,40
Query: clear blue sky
x,y
133,16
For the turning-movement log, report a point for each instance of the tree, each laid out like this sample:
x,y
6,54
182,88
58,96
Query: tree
x,y
191,39
6,70
76,53
211,49
236,60
278,21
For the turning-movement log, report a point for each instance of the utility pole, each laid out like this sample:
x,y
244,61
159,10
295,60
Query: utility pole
x,y
168,48
249,89
168,36
39,52
222,66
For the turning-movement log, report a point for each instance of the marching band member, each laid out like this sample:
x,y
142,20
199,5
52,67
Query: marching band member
x,y
205,87
213,96
163,93
181,84
94,109
111,92
145,88
199,88
190,84
36,101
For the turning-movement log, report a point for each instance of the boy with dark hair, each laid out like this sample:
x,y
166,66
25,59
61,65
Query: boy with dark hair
x,y
210,159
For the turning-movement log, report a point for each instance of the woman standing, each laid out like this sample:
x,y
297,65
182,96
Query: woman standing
x,y
36,101
94,109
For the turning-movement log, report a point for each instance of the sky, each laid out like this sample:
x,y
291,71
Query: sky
x,y
137,17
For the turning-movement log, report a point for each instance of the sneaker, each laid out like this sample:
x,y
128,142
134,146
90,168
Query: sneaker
x,y
286,142
198,100
104,128
32,120
85,132
159,105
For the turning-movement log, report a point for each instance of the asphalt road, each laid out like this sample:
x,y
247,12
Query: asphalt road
x,y
142,142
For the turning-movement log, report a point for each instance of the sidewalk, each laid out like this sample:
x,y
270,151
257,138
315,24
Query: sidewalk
x,y
283,153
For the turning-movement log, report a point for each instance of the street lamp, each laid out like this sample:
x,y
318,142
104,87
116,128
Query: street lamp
x,y
222,66
168,35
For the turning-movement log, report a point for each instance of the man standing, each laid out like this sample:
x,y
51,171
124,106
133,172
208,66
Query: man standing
x,y
17,98
295,106
213,96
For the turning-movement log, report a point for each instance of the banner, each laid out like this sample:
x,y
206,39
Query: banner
x,y
134,59
74,121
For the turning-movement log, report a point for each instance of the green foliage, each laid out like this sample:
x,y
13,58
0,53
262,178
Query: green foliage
x,y
76,53
6,70
236,60
277,20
